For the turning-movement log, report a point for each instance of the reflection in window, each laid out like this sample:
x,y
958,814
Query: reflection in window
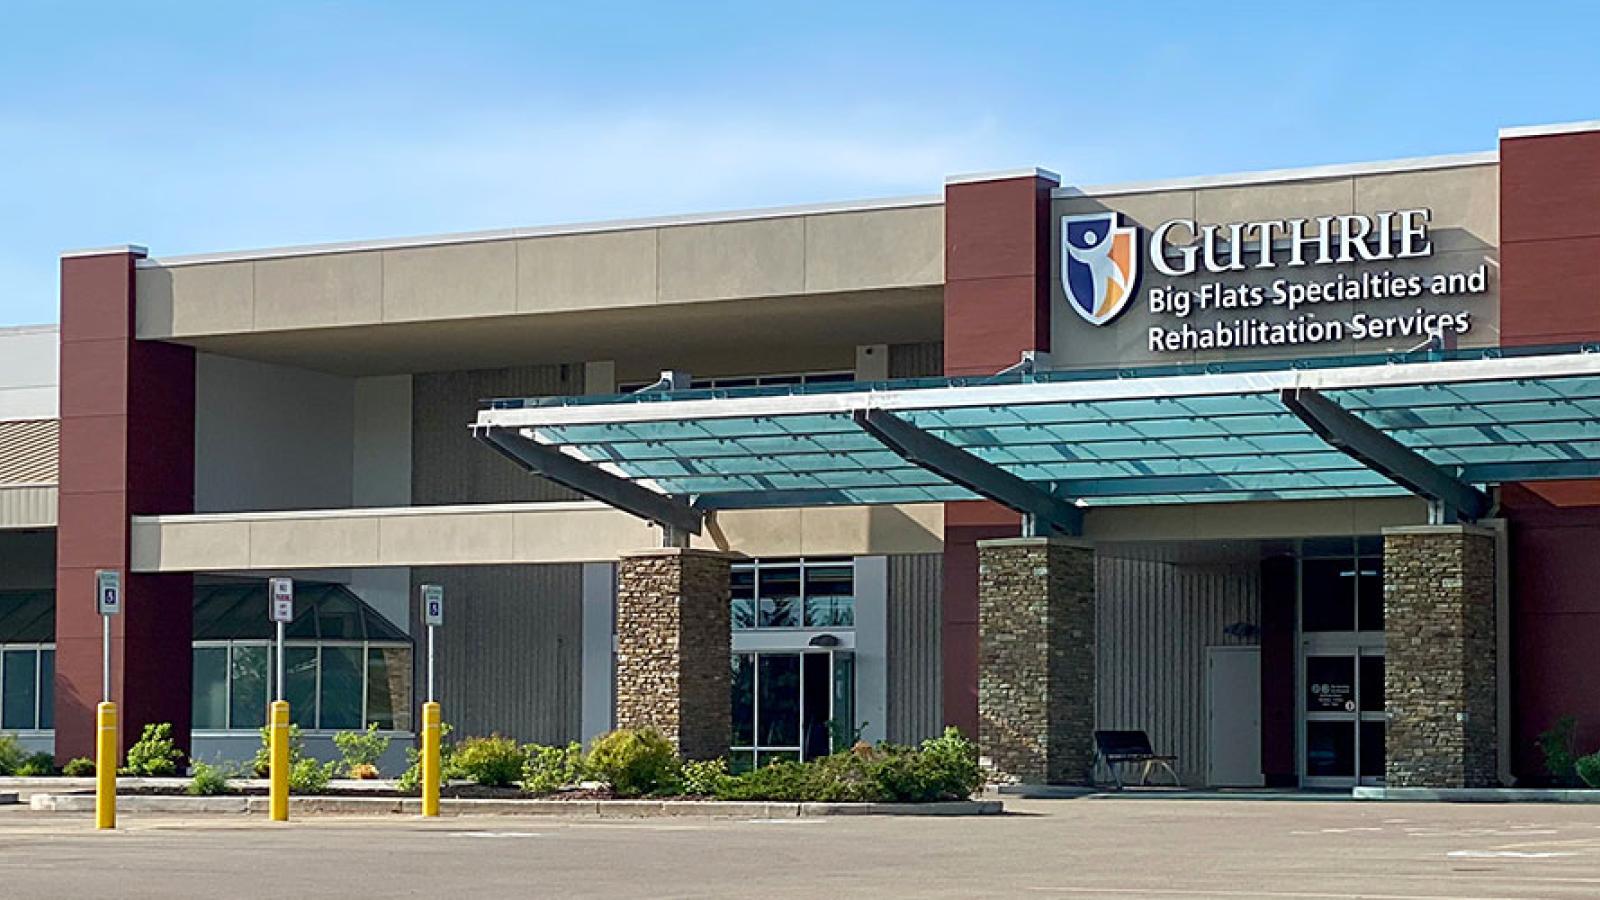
x,y
329,686
19,709
803,593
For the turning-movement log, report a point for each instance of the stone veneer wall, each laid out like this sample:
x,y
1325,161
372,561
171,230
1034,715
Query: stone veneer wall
x,y
1439,624
674,640
1036,668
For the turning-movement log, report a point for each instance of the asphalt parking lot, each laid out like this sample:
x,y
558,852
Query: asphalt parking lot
x,y
1118,848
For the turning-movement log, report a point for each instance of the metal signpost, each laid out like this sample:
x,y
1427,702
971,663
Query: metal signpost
x,y
108,600
282,612
432,617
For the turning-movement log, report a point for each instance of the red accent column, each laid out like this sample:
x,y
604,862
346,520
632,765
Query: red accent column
x,y
996,305
1550,294
127,448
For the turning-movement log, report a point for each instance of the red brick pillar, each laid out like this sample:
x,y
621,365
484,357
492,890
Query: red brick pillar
x,y
127,448
996,305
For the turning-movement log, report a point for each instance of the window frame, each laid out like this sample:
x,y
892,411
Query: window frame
x,y
38,647
805,564
317,644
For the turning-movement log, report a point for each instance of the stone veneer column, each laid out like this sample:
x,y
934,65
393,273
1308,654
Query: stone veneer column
x,y
674,640
1036,658
1439,683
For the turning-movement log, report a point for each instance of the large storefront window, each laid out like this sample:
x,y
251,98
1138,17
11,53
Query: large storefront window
x,y
345,666
809,593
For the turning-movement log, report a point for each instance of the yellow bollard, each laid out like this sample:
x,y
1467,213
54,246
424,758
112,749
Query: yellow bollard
x,y
280,761
105,766
430,759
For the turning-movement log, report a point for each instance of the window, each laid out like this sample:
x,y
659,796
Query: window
x,y
27,687
329,686
798,593
345,666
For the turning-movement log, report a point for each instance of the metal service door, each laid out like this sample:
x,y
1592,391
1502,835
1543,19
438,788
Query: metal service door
x,y
1233,716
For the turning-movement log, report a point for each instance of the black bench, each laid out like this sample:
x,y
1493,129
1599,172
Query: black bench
x,y
1115,748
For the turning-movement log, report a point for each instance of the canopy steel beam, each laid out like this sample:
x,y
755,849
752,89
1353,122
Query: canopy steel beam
x,y
1352,435
592,481
1041,510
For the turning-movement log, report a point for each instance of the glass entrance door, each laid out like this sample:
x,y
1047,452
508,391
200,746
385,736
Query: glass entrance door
x,y
792,705
1342,717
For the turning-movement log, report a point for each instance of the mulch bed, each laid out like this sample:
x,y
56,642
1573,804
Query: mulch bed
x,y
453,792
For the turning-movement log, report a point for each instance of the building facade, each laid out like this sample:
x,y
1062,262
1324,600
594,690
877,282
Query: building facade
x,y
202,423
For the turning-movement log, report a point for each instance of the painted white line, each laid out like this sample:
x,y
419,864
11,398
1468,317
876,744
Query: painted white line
x,y
787,821
1510,854
495,834
1212,892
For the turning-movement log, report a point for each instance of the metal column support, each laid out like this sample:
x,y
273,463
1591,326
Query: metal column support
x,y
672,514
1042,512
1449,498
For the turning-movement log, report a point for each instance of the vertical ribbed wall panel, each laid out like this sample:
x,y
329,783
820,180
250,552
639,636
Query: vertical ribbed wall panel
x,y
916,360
1155,620
915,583
509,651
447,464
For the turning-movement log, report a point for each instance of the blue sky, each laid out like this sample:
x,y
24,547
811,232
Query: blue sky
x,y
215,126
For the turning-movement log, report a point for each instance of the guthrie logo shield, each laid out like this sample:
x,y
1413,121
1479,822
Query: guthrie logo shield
x,y
1099,265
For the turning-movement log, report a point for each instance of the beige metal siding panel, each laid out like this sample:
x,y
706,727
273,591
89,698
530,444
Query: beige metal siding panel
x,y
509,653
447,464
28,451
1155,620
915,589
27,507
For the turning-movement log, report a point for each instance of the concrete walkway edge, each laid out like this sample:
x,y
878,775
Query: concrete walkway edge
x,y
1479,795
624,809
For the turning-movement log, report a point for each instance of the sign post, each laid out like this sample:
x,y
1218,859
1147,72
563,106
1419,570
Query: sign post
x,y
282,613
432,617
108,600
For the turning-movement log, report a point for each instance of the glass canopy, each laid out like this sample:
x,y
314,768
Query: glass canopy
x,y
1175,434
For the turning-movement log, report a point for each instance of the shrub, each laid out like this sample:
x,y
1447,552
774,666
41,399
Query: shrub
x,y
634,762
942,768
550,769
262,764
308,776
361,750
492,761
38,764
363,771
79,767
208,781
153,755
411,779
1588,768
703,778
1559,746
12,756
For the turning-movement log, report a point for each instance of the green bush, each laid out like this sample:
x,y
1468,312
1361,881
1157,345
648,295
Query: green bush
x,y
411,779
154,755
38,764
361,748
262,764
79,767
12,756
1588,768
549,769
492,761
703,778
942,768
208,781
1560,748
308,776
634,762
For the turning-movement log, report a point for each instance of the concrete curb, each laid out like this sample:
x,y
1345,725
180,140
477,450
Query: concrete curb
x,y
1479,795
579,809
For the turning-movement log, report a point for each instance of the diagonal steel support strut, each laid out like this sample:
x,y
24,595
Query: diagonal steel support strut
x,y
1042,511
1350,434
592,481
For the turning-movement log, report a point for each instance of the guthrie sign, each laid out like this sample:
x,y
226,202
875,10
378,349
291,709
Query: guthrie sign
x,y
1283,282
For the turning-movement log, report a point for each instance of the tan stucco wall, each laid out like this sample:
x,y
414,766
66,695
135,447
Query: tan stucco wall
x,y
758,256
